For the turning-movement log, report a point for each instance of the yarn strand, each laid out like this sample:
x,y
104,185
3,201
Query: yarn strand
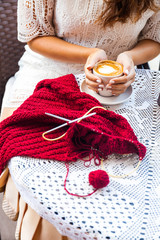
x,y
73,194
121,176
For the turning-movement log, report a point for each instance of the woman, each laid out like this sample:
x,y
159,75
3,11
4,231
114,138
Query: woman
x,y
71,36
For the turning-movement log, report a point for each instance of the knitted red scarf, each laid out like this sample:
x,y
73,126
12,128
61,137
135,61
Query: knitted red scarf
x,y
102,134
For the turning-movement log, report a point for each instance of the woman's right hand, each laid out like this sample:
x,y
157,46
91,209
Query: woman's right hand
x,y
94,82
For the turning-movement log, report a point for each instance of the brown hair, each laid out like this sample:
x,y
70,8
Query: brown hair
x,y
121,10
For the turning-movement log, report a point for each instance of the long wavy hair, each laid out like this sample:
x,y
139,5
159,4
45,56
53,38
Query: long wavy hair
x,y
121,10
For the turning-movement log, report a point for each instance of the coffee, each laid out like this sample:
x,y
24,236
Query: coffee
x,y
107,70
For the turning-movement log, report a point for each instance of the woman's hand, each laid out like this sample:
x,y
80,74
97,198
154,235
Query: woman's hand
x,y
120,84
94,82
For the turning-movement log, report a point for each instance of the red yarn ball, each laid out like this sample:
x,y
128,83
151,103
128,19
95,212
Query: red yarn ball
x,y
98,179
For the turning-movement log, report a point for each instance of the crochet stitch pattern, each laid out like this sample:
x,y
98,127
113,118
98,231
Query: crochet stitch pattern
x,y
101,134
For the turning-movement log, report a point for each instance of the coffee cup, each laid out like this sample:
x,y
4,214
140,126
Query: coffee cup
x,y
107,70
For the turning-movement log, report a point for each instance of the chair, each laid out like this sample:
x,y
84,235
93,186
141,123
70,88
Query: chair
x,y
10,48
10,52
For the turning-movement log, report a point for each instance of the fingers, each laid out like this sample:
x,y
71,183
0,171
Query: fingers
x,y
123,79
119,85
119,88
116,86
93,82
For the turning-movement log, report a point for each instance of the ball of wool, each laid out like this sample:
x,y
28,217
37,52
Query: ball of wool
x,y
98,179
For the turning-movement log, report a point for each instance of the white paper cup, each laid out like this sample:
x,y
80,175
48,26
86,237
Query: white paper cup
x,y
107,70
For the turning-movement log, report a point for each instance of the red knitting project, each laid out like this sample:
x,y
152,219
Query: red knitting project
x,y
101,134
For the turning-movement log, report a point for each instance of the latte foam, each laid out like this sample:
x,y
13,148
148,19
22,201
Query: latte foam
x,y
108,68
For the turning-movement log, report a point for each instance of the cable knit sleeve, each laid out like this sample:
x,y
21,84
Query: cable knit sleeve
x,y
35,18
152,28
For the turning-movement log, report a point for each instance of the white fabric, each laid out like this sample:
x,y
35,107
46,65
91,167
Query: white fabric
x,y
128,208
74,21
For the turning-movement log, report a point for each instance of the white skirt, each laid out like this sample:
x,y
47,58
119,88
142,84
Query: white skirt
x,y
33,68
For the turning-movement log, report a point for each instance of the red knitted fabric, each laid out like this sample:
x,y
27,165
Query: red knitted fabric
x,y
102,134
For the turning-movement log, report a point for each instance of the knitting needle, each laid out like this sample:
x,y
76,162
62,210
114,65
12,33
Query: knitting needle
x,y
53,115
71,121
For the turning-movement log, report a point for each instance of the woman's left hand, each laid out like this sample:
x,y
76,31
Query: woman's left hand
x,y
119,85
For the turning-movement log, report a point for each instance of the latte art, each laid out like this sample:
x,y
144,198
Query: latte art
x,y
104,69
108,68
